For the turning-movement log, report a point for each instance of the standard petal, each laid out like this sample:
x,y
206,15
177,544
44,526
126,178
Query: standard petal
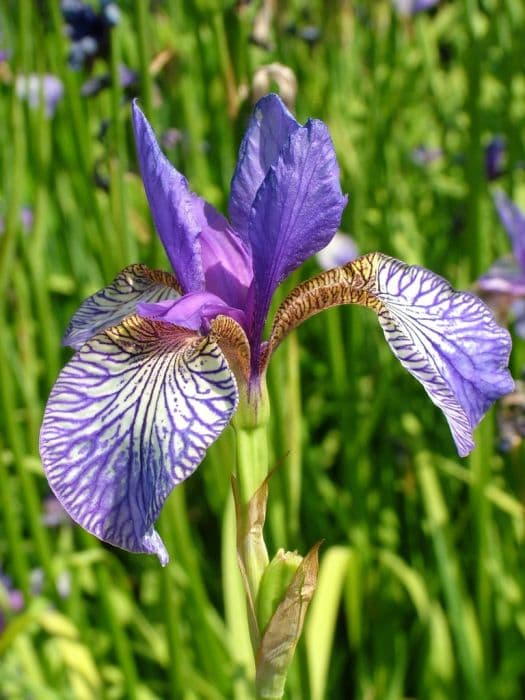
x,y
269,129
296,212
171,206
448,340
226,261
113,303
130,417
194,311
513,219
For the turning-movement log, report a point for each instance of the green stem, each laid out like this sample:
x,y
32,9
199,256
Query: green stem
x,y
252,469
252,460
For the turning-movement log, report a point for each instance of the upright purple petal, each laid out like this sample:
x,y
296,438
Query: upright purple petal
x,y
269,129
448,340
513,219
113,303
171,204
226,261
129,418
296,212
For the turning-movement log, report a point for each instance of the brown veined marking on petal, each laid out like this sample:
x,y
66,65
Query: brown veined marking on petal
x,y
232,340
354,283
135,330
158,276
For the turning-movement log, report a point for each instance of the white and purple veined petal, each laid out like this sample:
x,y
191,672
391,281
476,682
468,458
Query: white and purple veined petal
x,y
130,417
448,340
110,305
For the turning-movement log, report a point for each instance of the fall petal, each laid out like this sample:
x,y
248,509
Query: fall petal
x,y
113,303
129,418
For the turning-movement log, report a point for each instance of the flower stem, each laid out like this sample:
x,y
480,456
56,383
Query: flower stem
x,y
252,460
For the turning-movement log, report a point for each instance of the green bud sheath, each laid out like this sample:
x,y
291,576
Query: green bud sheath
x,y
274,583
283,629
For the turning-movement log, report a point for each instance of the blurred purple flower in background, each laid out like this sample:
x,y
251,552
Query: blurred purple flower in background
x,y
11,599
35,88
424,155
54,514
26,220
127,78
504,282
495,158
341,250
413,7
88,30
164,360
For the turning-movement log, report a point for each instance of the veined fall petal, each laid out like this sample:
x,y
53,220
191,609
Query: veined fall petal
x,y
131,416
110,305
448,340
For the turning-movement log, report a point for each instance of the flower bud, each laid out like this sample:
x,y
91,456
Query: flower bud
x,y
274,582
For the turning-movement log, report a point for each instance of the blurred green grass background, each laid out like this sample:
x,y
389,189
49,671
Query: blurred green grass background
x,y
421,591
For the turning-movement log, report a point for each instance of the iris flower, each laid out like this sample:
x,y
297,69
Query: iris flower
x,y
164,360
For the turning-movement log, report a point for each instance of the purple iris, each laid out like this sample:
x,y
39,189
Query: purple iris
x,y
88,30
495,158
163,360
504,282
